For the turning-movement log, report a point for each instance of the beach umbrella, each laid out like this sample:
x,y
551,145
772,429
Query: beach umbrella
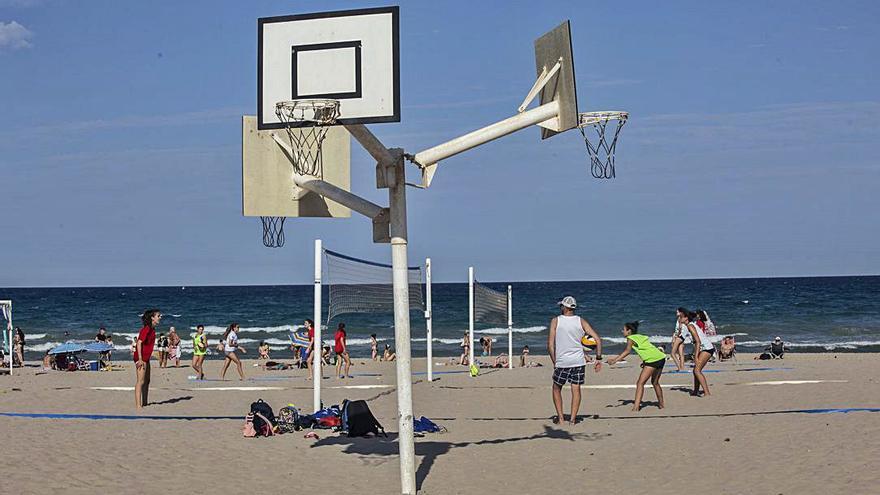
x,y
98,346
299,339
68,347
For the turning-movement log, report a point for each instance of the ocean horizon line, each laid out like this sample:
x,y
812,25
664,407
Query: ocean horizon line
x,y
185,285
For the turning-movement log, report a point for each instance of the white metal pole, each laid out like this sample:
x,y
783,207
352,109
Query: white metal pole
x,y
509,327
317,348
428,316
471,315
491,132
400,282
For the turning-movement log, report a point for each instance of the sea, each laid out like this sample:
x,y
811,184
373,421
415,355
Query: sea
x,y
815,314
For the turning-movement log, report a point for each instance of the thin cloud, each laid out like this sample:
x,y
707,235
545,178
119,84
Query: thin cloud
x,y
14,36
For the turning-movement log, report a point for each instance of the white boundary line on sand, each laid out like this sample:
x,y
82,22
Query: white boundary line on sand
x,y
668,385
792,382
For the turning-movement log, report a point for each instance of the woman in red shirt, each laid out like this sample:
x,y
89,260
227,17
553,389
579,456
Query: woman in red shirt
x,y
341,351
144,344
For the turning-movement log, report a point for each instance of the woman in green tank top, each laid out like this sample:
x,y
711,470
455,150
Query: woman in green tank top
x,y
653,360
200,348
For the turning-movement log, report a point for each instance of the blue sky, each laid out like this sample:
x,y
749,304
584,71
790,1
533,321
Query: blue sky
x,y
751,149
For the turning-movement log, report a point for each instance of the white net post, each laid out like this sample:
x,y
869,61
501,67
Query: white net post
x,y
509,327
318,346
428,320
471,315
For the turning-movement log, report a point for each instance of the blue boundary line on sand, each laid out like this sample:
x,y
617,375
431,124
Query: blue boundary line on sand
x,y
131,417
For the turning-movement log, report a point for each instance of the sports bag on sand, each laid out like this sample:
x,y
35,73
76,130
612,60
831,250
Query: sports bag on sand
x,y
358,420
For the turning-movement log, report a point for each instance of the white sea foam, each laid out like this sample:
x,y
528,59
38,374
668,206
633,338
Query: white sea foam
x,y
45,346
215,330
35,336
503,331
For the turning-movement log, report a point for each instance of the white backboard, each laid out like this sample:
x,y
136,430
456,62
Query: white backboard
x,y
352,56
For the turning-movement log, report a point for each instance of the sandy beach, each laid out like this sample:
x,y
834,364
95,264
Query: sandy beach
x,y
745,438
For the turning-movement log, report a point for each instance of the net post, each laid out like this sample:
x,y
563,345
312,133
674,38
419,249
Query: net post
x,y
317,348
400,285
428,317
471,316
509,327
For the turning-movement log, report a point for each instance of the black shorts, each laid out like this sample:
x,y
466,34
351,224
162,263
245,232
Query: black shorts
x,y
659,364
711,352
573,375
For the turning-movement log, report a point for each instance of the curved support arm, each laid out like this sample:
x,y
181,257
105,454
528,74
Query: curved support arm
x,y
429,157
339,195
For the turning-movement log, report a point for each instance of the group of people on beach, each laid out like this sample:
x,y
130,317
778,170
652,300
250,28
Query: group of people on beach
x,y
146,342
566,345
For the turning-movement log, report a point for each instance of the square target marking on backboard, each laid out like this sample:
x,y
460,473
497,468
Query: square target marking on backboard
x,y
352,56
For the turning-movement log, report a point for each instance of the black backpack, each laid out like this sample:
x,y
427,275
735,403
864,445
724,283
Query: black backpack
x,y
358,420
262,410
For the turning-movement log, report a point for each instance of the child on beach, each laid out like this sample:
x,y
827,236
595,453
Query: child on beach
x,y
653,360
388,355
264,350
374,347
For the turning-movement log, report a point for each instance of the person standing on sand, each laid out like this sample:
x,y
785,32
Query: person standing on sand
x,y
200,348
18,342
162,349
310,351
341,350
374,347
230,345
143,351
653,360
174,346
703,350
567,355
678,339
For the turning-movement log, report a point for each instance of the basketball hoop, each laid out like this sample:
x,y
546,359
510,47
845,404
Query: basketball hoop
x,y
306,123
602,154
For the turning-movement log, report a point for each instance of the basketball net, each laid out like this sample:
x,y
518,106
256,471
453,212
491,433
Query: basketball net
x,y
306,123
602,152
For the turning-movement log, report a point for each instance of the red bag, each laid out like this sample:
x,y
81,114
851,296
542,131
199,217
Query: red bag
x,y
329,421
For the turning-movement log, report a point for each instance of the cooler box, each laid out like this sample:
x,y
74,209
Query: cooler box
x,y
94,366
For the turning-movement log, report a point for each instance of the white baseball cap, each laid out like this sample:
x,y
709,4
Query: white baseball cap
x,y
568,302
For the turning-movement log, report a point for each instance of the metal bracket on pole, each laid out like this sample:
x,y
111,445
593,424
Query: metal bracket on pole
x,y
542,81
382,227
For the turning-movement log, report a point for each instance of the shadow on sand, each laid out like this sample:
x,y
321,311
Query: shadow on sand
x,y
371,448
